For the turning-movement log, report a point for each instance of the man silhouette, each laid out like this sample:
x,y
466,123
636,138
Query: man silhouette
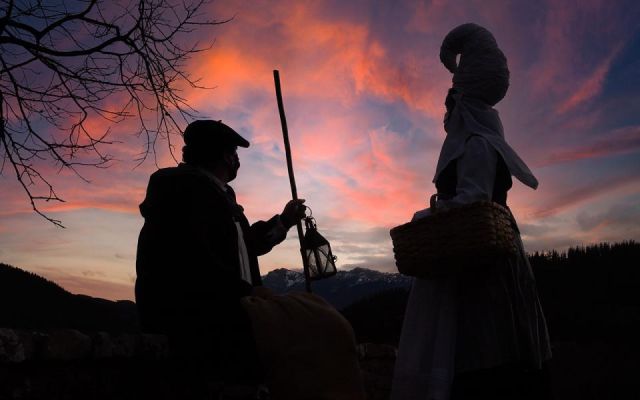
x,y
198,254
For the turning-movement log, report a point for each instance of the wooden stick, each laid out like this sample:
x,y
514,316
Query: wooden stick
x,y
292,179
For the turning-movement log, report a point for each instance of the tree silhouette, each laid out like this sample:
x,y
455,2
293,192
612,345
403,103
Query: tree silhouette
x,y
60,60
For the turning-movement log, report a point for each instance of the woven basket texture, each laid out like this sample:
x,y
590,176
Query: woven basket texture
x,y
453,241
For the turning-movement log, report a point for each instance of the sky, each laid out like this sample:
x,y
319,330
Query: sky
x,y
364,92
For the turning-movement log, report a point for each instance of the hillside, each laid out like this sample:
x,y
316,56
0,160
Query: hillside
x,y
31,302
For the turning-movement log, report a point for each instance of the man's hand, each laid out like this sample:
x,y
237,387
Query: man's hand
x,y
292,213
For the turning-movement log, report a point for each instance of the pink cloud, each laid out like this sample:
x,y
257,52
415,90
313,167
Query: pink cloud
x,y
410,81
328,59
378,187
562,199
620,141
433,17
591,86
567,70
327,65
86,284
116,188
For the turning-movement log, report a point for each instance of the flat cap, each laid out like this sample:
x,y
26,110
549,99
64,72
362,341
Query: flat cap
x,y
206,132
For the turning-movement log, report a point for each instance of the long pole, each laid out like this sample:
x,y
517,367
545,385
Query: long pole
x,y
292,179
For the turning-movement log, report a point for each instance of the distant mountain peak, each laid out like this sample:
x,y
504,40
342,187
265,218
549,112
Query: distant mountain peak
x,y
341,290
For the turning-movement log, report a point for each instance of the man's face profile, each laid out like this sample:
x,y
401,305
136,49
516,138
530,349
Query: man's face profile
x,y
232,161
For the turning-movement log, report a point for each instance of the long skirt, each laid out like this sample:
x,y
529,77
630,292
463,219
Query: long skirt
x,y
469,322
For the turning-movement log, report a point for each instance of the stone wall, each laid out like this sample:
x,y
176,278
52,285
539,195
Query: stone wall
x,y
68,364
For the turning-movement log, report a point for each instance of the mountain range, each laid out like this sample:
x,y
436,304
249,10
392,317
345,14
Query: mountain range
x,y
342,289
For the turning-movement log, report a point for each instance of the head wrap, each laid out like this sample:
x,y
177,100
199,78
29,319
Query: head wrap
x,y
480,80
482,72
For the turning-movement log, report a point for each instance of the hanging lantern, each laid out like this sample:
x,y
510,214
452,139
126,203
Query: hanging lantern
x,y
317,250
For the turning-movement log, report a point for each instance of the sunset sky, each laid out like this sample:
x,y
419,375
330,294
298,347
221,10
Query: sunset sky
x,y
364,91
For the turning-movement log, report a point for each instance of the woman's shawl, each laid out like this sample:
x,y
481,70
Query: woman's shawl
x,y
480,80
472,117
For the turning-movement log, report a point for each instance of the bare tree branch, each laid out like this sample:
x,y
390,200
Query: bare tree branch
x,y
61,60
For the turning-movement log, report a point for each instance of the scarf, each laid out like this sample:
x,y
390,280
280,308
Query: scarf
x,y
468,116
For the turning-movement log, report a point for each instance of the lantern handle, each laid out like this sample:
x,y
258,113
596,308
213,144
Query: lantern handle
x,y
306,207
309,221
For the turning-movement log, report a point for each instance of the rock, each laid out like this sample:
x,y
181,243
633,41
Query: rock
x,y
67,344
153,347
30,343
102,346
11,348
124,345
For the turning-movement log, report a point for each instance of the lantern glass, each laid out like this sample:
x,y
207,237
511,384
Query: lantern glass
x,y
317,250
320,262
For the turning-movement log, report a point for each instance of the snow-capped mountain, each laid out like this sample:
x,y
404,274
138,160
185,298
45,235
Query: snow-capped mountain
x,y
342,289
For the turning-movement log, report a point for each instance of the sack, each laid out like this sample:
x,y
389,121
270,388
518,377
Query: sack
x,y
456,240
308,349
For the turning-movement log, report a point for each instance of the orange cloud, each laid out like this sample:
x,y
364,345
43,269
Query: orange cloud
x,y
320,57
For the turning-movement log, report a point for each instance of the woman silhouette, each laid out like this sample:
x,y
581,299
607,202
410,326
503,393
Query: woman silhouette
x,y
480,335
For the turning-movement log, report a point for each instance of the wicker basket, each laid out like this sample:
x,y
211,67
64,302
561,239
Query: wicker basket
x,y
453,241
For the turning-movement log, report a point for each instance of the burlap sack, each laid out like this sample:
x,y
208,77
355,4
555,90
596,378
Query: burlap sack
x,y
307,348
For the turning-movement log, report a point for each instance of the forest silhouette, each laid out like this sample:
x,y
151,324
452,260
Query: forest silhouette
x,y
33,302
587,293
